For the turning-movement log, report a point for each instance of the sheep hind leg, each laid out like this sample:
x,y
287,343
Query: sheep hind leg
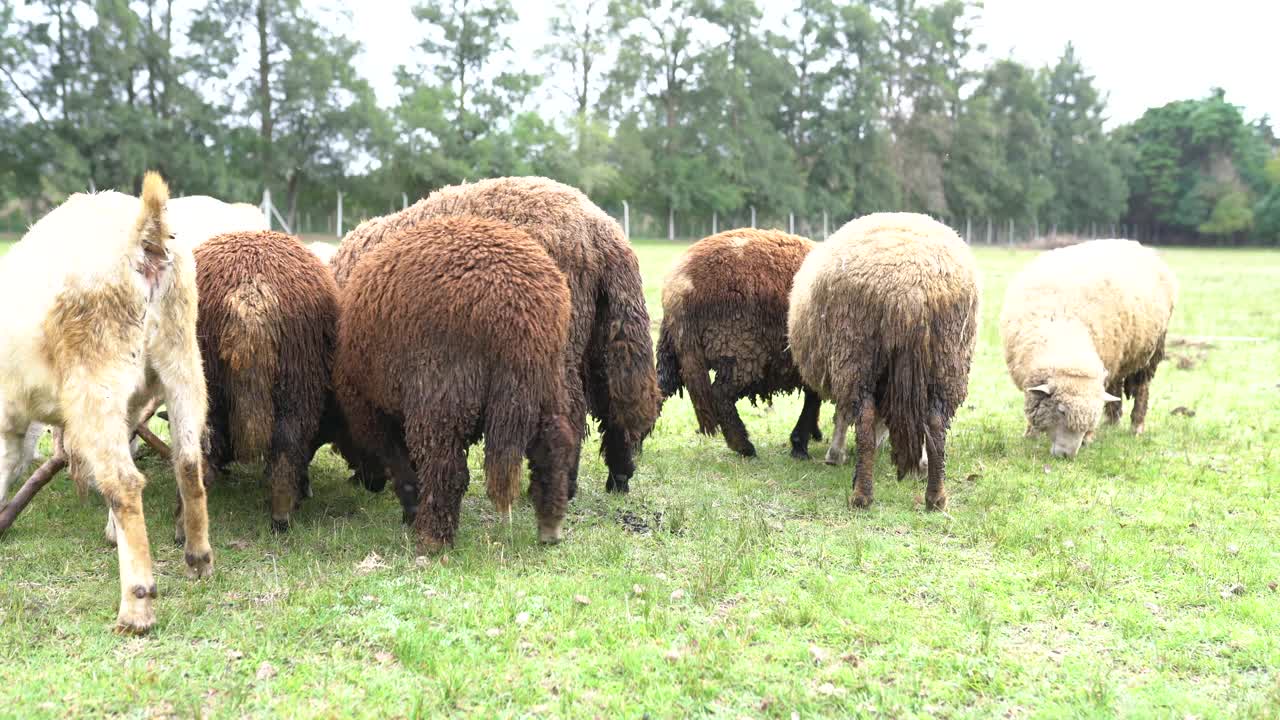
x,y
11,461
806,426
725,394
549,462
284,470
864,468
935,460
619,457
442,481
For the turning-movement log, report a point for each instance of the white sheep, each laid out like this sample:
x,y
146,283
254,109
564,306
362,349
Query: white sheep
x,y
1083,325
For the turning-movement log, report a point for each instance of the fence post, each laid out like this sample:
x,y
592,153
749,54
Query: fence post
x,y
990,237
626,219
826,232
339,228
753,216
266,205
791,223
671,222
404,201
715,222
1010,231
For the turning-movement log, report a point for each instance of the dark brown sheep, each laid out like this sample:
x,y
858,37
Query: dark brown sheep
x,y
267,327
883,321
608,362
452,329
724,310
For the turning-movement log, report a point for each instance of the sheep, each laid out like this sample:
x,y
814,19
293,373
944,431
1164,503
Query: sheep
x,y
197,218
1082,326
450,329
883,321
103,315
267,327
724,306
609,367
323,250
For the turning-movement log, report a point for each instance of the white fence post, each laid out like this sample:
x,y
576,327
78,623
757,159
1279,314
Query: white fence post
x,y
791,223
753,216
715,222
404,201
626,219
266,205
826,233
339,228
671,222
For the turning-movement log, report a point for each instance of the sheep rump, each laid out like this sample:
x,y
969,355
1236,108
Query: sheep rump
x,y
452,329
725,310
608,362
884,321
1083,326
267,327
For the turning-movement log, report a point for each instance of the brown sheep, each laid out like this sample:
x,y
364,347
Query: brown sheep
x,y
267,327
608,362
883,321
453,329
724,309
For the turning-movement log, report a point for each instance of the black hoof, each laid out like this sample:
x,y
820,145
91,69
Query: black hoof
x,y
817,435
279,527
799,453
617,484
407,517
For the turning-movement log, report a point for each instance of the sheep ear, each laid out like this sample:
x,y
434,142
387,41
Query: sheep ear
x,y
1108,397
1042,390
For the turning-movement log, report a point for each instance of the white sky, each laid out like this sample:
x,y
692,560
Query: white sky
x,y
1143,52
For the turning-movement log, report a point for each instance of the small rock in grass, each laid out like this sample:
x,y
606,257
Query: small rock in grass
x,y
1233,549
582,599
827,689
1272,586
235,655
384,657
673,655
1068,544
820,655
1232,591
677,594
493,632
371,562
637,589
266,671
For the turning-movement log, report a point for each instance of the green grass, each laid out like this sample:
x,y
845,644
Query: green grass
x,y
1137,581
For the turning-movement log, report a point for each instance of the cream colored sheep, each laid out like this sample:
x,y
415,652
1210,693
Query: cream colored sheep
x,y
883,320
196,218
103,315
1082,325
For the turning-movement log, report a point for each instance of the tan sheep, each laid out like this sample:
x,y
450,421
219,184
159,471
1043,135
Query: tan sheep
x,y
1081,326
883,321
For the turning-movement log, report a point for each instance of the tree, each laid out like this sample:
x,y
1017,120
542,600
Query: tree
x,y
314,114
1088,184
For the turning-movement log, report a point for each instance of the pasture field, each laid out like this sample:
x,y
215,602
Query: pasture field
x,y
1139,580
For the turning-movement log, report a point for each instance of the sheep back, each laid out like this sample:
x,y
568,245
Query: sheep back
x,y
1122,293
267,326
725,300
887,308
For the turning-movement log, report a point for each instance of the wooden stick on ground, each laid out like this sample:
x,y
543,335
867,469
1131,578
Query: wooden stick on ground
x,y
33,485
156,443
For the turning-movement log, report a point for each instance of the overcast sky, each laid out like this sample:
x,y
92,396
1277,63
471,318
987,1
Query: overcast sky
x,y
1143,52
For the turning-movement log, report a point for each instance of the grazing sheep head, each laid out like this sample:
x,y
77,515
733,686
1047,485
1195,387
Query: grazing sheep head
x,y
1067,408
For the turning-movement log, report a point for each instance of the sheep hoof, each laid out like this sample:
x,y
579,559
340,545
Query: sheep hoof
x,y
936,503
617,483
550,535
836,457
1140,428
431,546
408,515
137,619
860,501
199,565
799,453
748,452
817,434
279,526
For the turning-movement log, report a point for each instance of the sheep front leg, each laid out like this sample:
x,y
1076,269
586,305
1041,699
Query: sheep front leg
x,y
838,453
724,393
11,456
806,426
935,440
1141,394
1115,409
864,469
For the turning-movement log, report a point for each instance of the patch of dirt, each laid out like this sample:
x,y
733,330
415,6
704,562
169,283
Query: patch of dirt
x,y
640,524
1183,411
1191,352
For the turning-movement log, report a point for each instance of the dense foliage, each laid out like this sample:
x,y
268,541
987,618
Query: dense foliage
x,y
677,106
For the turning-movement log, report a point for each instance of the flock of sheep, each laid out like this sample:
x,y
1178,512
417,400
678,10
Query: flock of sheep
x,y
509,310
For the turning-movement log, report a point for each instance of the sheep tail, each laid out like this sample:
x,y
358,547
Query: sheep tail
x,y
152,229
627,346
669,380
512,417
250,350
906,402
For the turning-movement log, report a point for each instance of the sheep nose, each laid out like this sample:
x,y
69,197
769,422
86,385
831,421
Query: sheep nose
x,y
1063,452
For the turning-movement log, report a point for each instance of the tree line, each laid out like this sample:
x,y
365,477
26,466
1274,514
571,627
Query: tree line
x,y
677,106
